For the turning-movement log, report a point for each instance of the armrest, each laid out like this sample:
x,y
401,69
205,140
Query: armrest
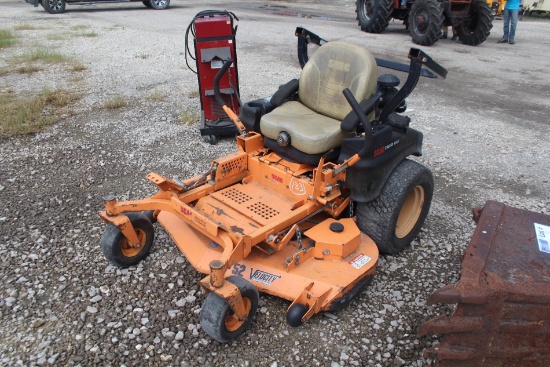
x,y
284,92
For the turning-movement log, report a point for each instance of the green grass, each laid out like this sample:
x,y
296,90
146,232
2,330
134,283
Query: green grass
x,y
26,27
116,103
77,66
56,37
79,27
28,69
157,96
7,39
21,115
44,56
88,34
189,117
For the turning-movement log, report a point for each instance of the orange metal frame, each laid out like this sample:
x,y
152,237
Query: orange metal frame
x,y
256,215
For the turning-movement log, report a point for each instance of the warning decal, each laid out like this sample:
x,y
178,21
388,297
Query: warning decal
x,y
359,261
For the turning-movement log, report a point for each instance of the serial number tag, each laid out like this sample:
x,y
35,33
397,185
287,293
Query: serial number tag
x,y
359,261
543,237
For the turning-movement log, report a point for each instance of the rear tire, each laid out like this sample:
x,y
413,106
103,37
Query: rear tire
x,y
395,217
147,3
373,16
477,26
425,21
53,6
159,4
217,317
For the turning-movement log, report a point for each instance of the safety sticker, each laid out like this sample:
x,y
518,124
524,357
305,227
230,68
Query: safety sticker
x,y
359,261
543,237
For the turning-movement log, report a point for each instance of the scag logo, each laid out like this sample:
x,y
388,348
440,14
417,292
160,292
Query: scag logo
x,y
338,65
185,211
277,178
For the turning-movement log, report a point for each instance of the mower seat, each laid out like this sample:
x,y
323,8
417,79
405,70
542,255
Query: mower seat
x,y
306,129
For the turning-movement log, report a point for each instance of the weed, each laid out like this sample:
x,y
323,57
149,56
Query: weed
x,y
24,115
189,117
26,27
115,103
194,94
28,69
79,27
157,96
88,34
56,37
45,56
7,39
59,97
78,66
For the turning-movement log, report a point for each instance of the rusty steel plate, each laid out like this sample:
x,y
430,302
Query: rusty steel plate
x,y
502,316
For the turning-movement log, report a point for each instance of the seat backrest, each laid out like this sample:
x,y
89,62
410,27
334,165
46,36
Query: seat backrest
x,y
333,67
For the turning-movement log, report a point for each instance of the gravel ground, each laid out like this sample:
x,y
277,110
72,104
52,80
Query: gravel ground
x,y
486,137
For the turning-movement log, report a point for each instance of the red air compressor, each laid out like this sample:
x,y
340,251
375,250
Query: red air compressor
x,y
214,41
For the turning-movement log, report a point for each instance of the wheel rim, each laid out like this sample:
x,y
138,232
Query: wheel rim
x,y
410,212
367,9
232,323
160,3
128,250
54,4
421,21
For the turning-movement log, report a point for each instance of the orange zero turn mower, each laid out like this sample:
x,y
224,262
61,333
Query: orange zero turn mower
x,y
319,184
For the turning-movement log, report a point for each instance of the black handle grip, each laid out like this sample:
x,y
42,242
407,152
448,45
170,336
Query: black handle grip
x,y
217,78
362,118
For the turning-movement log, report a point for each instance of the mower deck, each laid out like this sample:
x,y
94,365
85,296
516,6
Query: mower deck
x,y
289,273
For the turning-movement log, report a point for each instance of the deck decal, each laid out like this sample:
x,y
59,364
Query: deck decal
x,y
263,277
359,261
297,187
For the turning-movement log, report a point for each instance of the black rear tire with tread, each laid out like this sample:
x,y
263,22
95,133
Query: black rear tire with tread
x,y
115,246
475,29
425,22
379,218
216,313
373,16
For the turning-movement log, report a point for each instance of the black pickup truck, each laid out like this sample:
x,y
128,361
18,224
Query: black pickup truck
x,y
58,6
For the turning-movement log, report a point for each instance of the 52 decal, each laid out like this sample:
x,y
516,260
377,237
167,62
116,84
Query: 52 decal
x,y
238,269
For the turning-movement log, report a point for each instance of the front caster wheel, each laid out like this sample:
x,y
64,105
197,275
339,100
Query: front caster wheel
x,y
294,315
116,248
394,218
218,319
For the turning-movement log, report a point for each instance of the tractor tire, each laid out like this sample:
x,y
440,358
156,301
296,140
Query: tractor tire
x,y
477,26
373,16
115,246
395,217
159,4
425,21
217,317
53,6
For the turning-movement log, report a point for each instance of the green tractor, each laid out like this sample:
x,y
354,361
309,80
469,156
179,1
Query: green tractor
x,y
424,19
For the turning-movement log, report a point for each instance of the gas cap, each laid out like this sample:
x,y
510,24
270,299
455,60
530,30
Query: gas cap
x,y
283,139
336,227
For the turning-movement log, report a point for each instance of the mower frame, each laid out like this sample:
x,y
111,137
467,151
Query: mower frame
x,y
256,218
